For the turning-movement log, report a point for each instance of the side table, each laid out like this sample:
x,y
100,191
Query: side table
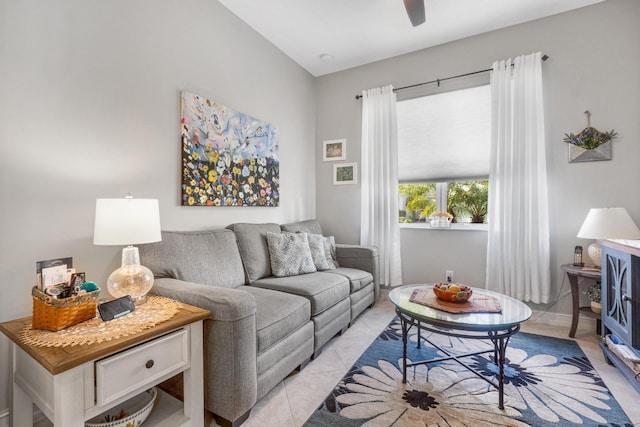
x,y
575,273
71,385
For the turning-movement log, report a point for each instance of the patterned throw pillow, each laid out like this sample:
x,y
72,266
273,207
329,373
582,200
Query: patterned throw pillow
x,y
330,251
318,252
290,254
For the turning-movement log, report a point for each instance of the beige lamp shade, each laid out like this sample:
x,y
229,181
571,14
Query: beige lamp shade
x,y
607,223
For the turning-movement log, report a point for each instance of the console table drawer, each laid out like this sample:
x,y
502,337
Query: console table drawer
x,y
141,366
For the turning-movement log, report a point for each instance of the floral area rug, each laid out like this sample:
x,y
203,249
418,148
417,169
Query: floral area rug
x,y
548,382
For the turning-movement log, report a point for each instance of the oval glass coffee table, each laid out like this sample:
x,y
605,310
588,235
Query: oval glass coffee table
x,y
494,327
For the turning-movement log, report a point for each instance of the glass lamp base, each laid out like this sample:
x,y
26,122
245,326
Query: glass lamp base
x,y
135,280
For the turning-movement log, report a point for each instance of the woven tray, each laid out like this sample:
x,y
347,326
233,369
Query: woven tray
x,y
475,304
54,314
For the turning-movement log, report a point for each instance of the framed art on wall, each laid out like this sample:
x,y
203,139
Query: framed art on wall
x,y
228,158
345,173
334,149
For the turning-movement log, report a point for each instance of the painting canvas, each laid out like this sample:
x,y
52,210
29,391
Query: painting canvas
x,y
228,158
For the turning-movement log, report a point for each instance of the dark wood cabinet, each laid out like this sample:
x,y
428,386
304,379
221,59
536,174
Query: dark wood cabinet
x,y
621,300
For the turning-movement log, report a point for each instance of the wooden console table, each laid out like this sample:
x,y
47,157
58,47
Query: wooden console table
x,y
575,273
73,384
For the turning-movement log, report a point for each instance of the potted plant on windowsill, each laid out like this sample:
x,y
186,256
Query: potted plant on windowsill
x,y
594,294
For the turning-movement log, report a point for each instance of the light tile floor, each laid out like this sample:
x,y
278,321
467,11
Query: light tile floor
x,y
291,402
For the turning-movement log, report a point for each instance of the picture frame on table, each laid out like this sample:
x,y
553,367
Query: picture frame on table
x,y
334,149
345,173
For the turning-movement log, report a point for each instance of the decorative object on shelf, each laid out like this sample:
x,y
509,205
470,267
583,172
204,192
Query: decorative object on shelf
x,y
345,173
128,221
334,149
228,158
590,144
607,223
577,256
131,413
440,220
594,294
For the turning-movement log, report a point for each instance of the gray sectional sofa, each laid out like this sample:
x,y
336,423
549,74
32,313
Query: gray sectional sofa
x,y
262,326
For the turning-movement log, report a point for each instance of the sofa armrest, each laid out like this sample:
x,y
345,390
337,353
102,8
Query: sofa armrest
x,y
363,258
230,359
225,304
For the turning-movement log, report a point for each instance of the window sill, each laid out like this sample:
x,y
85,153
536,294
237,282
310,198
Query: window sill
x,y
454,227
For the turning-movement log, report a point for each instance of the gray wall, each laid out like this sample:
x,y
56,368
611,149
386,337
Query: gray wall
x,y
89,107
594,63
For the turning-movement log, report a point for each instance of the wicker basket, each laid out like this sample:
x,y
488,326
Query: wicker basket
x,y
55,314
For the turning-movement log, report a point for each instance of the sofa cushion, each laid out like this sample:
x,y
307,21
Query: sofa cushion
x,y
206,257
307,226
322,289
290,254
278,314
320,252
252,243
358,279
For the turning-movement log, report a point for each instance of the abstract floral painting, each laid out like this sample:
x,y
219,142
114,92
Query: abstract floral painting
x,y
228,158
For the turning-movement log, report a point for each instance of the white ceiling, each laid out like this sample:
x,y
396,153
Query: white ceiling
x,y
357,32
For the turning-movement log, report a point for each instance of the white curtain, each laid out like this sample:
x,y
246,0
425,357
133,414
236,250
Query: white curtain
x,y
379,225
518,246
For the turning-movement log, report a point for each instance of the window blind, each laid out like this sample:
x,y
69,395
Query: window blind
x,y
445,137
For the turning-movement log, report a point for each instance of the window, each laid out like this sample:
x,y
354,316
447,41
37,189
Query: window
x,y
443,155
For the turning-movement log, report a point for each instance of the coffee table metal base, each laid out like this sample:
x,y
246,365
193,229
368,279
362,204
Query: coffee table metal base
x,y
500,340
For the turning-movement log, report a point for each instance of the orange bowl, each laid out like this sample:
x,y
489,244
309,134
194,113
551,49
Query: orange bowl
x,y
452,292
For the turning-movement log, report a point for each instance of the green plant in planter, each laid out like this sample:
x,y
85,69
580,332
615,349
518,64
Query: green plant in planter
x,y
594,292
469,198
589,138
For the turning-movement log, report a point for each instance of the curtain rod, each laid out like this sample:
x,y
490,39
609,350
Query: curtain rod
x,y
544,58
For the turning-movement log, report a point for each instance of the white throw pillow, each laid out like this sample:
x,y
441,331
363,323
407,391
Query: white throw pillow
x,y
289,254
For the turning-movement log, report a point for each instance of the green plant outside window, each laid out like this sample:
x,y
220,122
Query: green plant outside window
x,y
467,201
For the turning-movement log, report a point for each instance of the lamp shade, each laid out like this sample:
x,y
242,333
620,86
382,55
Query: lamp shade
x,y
608,223
126,221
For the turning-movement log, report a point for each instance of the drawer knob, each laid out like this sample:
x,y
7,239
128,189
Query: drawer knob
x,y
149,364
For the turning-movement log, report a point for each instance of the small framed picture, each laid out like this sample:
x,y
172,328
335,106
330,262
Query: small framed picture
x,y
334,149
345,173
77,279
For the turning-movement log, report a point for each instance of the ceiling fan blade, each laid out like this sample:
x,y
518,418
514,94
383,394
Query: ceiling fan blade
x,y
415,10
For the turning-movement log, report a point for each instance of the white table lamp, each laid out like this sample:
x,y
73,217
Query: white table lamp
x,y
128,221
607,223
